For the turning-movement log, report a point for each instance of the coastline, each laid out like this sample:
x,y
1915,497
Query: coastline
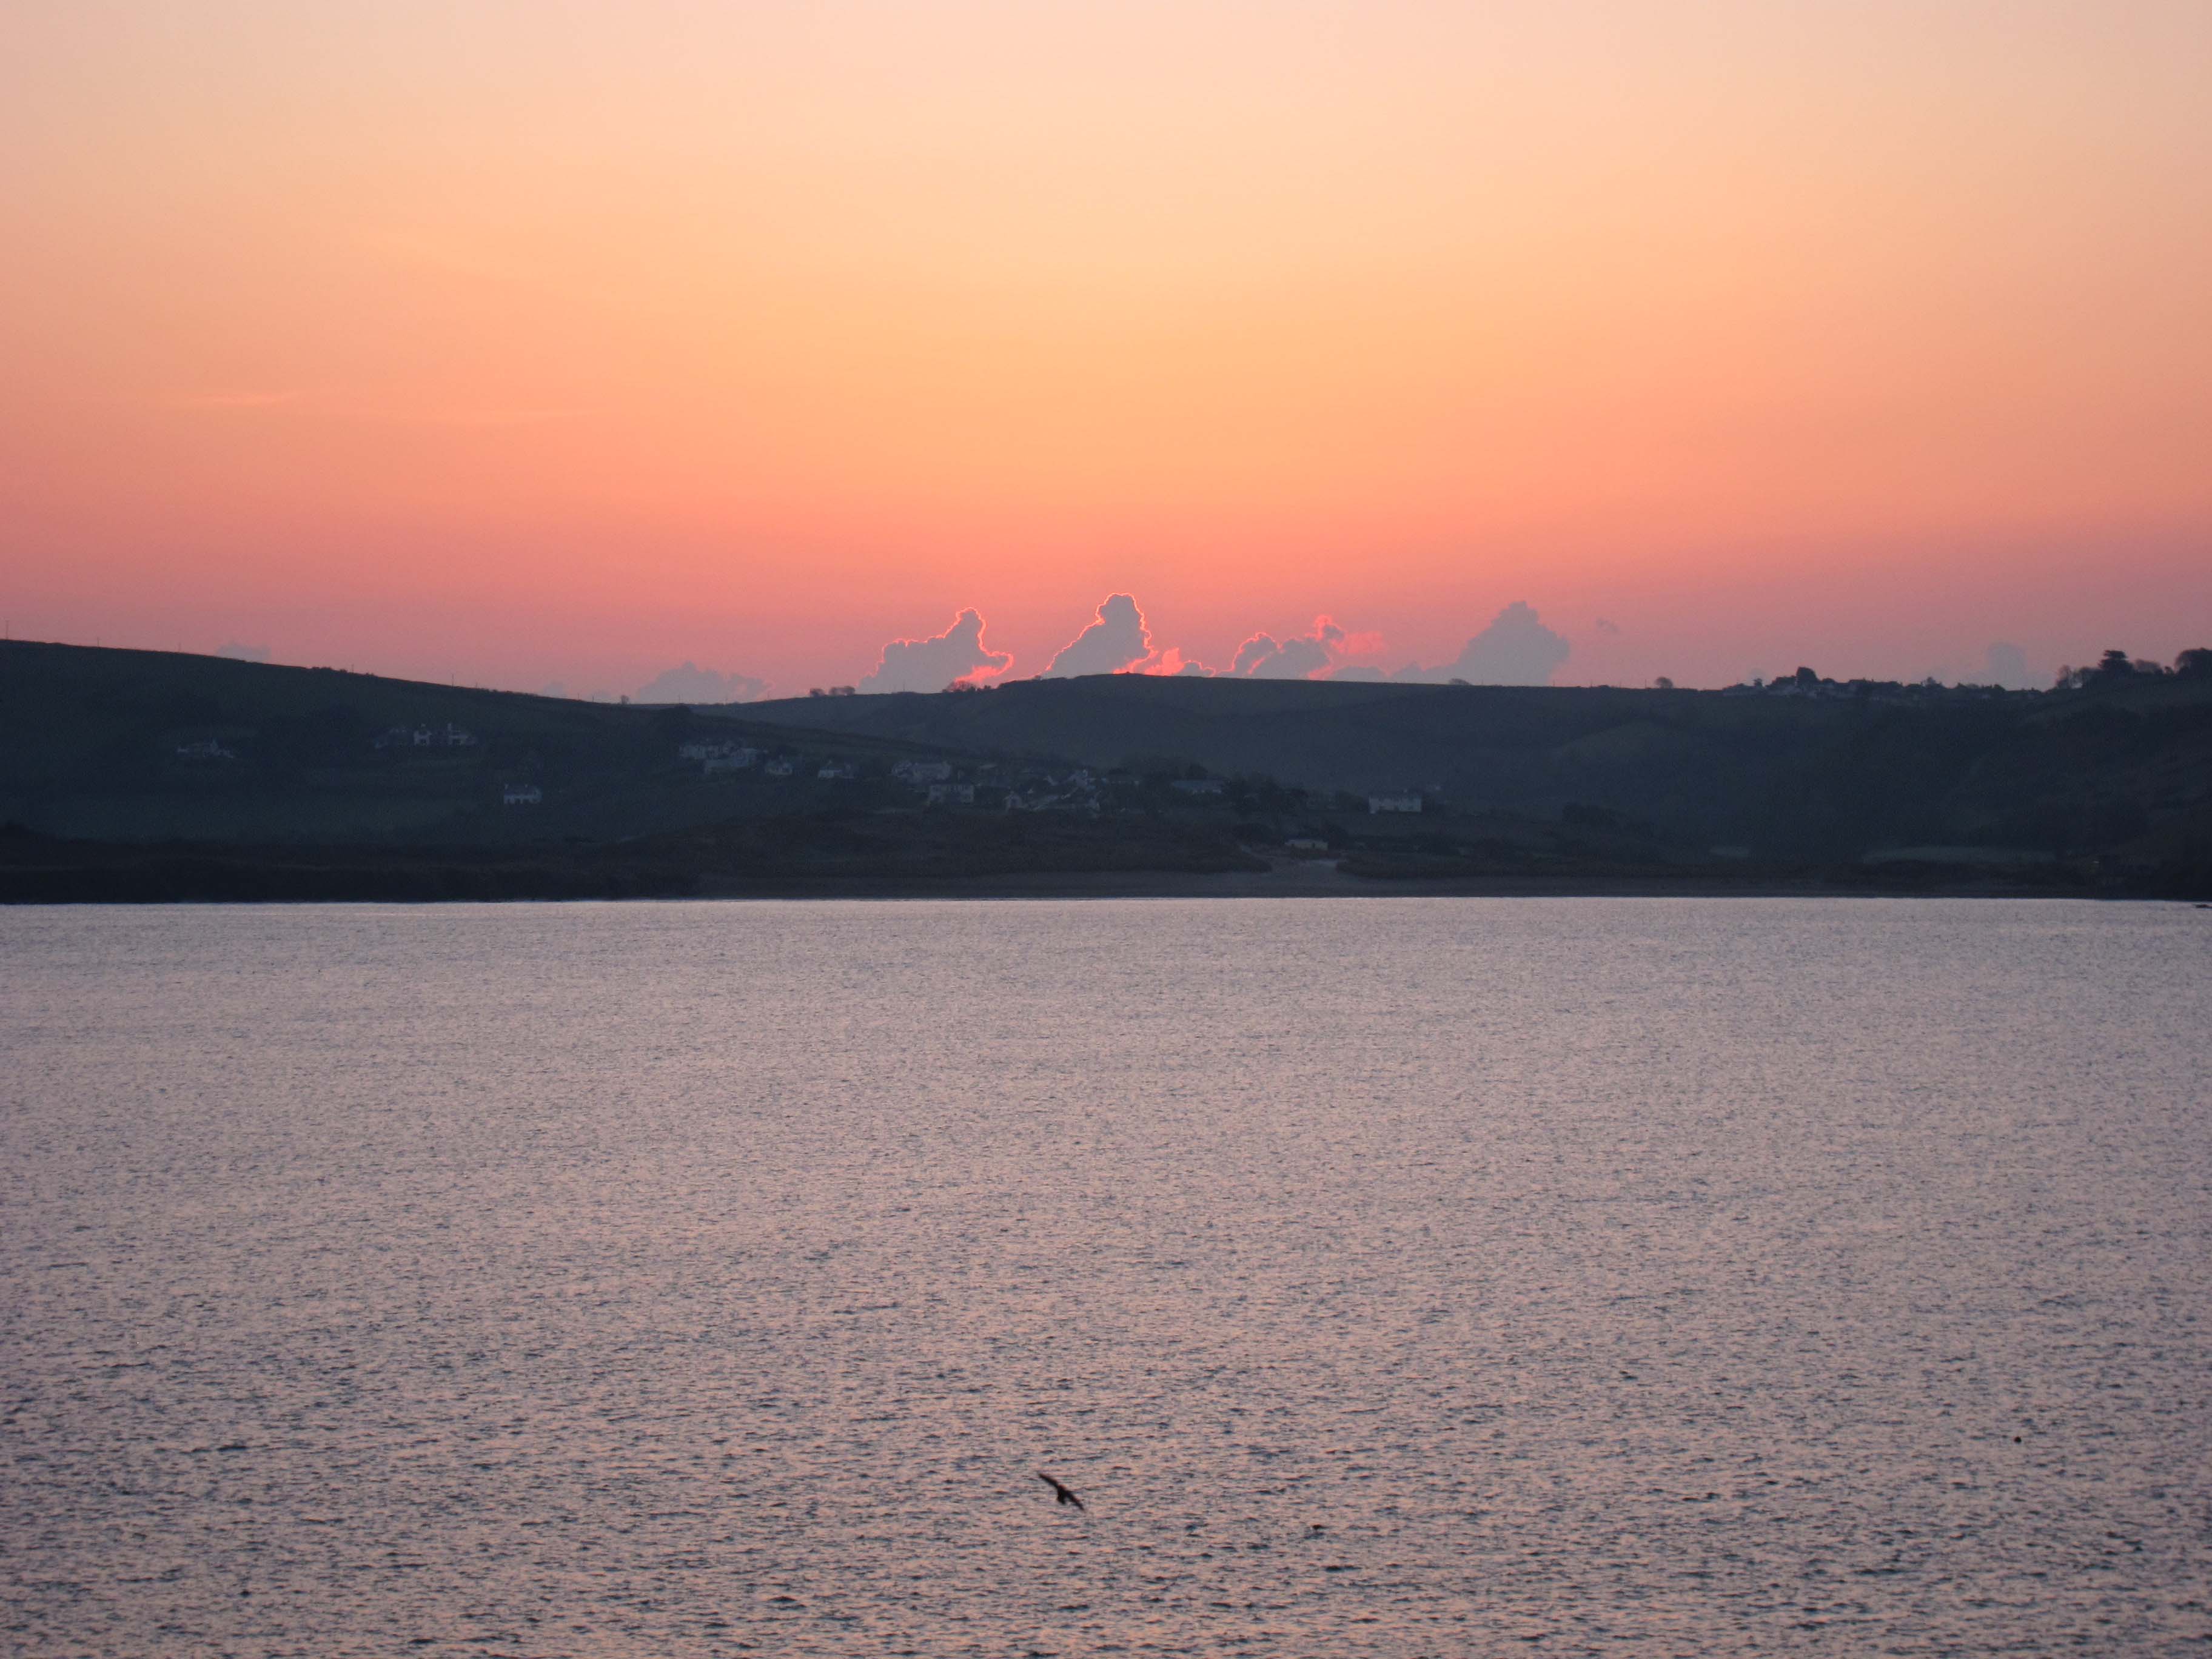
x,y
309,880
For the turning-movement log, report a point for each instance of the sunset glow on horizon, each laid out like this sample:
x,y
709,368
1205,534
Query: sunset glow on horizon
x,y
552,342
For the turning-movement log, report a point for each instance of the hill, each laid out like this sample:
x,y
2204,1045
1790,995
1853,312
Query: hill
x,y
152,774
1828,773
108,745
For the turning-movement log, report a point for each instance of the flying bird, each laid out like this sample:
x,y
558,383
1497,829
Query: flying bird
x,y
1060,1492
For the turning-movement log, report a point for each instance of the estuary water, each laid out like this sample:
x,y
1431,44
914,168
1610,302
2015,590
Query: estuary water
x,y
1388,1277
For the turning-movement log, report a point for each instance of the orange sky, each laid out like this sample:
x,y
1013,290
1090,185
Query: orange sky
x,y
539,341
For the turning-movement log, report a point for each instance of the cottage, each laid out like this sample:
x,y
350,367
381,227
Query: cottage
x,y
730,759
923,771
523,794
840,770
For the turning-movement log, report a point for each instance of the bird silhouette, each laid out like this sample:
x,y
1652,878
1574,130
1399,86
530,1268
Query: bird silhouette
x,y
1060,1492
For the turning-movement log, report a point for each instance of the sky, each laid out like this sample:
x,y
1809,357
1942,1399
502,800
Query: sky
x,y
535,343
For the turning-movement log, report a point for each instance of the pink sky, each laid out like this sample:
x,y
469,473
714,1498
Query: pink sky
x,y
525,342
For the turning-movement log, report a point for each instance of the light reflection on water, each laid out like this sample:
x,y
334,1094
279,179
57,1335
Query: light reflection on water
x,y
1389,1277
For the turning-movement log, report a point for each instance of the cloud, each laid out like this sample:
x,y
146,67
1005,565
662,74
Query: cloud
x,y
1515,649
238,653
1117,639
933,664
1263,657
1171,664
692,683
1258,649
2008,667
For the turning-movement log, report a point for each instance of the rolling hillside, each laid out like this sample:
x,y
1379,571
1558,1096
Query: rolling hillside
x,y
500,793
1787,777
96,746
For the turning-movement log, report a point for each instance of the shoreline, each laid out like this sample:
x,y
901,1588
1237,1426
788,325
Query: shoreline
x,y
195,883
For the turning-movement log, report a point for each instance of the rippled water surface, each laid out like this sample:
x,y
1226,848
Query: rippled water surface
x,y
1388,1277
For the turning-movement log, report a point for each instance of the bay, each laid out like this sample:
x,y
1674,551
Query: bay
x,y
1388,1277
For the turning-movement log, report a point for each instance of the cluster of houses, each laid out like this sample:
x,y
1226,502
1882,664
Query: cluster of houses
x,y
1048,792
207,748
935,779
713,757
425,737
1011,788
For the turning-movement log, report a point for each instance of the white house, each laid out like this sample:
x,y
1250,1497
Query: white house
x,y
923,771
840,769
730,759
1197,786
1393,803
523,794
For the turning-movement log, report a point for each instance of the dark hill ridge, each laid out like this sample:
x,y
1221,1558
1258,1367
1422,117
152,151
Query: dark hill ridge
x,y
90,741
279,782
1787,777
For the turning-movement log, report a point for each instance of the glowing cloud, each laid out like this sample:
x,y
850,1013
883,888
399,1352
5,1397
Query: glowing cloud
x,y
931,665
1302,656
1324,650
1116,641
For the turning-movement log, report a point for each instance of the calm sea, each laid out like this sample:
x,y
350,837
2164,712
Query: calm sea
x,y
1388,1277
